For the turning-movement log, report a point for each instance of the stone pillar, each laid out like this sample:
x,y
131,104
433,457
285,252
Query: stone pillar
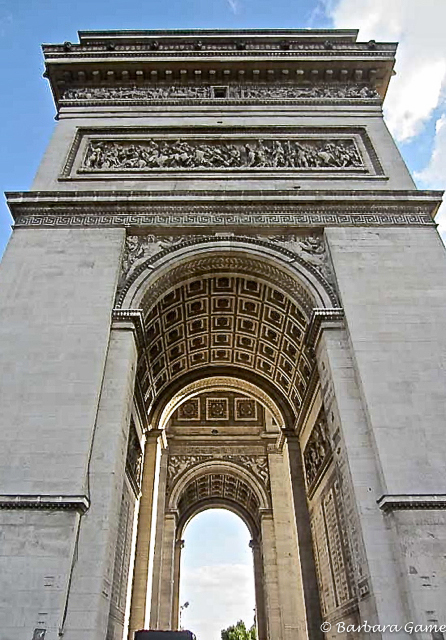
x,y
142,551
155,601
262,629
375,566
302,522
166,589
270,578
179,544
88,600
292,604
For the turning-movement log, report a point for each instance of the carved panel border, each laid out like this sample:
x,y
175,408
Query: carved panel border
x,y
369,165
195,216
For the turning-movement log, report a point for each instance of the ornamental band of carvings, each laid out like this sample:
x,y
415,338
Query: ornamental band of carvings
x,y
313,216
177,464
310,249
317,451
253,154
230,92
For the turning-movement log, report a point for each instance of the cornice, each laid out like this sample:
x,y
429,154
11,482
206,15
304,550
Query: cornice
x,y
228,209
45,502
409,502
205,56
323,319
135,317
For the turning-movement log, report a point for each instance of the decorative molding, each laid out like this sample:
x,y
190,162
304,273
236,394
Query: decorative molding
x,y
409,502
217,408
234,46
219,484
223,318
229,92
348,216
189,410
245,410
79,503
257,210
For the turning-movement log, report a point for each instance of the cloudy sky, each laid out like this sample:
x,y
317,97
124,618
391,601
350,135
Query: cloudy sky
x,y
217,568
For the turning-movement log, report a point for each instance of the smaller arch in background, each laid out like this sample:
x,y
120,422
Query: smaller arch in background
x,y
203,487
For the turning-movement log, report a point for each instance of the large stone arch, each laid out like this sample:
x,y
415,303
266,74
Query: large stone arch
x,y
255,300
264,339
150,266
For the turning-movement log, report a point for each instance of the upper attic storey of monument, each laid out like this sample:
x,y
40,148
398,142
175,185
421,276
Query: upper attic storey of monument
x,y
285,66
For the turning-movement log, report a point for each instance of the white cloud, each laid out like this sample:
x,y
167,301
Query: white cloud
x,y
421,60
219,595
434,175
234,5
418,92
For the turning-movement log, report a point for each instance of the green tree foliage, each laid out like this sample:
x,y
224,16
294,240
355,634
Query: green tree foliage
x,y
239,632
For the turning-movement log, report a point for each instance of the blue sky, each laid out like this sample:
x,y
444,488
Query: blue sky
x,y
216,574
415,113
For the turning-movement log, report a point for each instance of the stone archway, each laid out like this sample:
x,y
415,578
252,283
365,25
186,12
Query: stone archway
x,y
228,484
225,373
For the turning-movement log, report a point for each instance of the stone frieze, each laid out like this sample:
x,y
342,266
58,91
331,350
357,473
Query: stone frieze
x,y
161,154
230,92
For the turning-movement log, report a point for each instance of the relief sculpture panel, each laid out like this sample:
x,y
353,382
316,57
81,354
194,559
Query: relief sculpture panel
x,y
164,154
230,92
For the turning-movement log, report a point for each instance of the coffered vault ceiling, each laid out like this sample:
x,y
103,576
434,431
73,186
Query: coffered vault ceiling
x,y
227,322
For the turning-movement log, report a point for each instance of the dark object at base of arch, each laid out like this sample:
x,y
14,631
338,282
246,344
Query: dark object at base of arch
x,y
164,635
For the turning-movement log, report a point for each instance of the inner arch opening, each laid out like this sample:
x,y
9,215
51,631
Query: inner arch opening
x,y
217,576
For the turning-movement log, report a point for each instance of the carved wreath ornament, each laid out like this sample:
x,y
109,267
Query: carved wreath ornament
x,y
153,154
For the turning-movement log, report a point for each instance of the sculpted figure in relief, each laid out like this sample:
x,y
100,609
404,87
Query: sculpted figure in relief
x,y
181,154
238,92
316,451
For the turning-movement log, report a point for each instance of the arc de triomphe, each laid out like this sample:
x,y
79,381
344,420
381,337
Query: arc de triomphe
x,y
222,290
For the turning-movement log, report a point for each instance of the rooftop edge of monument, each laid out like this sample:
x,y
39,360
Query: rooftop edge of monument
x,y
204,57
